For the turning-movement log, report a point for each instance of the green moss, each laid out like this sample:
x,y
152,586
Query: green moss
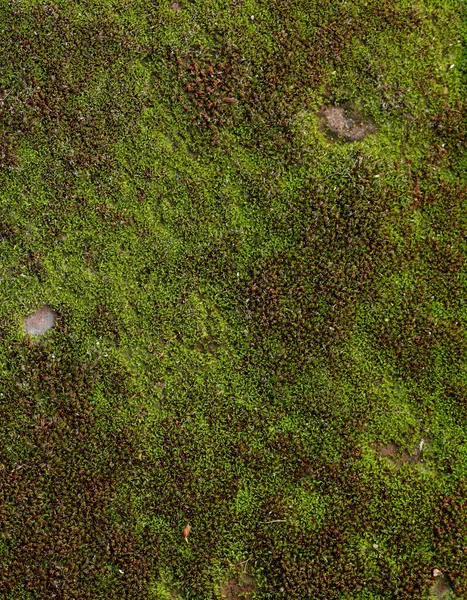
x,y
249,309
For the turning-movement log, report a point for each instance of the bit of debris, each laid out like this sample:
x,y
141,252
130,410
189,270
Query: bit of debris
x,y
186,533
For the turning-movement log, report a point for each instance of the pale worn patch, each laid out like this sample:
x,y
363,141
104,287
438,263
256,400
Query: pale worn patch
x,y
346,123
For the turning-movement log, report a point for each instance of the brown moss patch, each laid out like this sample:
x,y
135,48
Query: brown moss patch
x,y
212,84
450,529
59,477
307,296
42,95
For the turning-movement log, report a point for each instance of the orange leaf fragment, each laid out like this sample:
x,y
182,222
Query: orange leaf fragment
x,y
186,533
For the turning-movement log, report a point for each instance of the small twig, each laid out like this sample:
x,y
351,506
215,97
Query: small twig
x,y
244,563
275,521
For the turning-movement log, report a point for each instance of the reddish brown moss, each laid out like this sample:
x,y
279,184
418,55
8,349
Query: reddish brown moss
x,y
450,527
56,495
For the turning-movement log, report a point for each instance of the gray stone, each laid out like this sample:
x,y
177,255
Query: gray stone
x,y
41,321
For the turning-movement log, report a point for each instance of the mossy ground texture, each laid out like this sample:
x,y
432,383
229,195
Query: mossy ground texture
x,y
260,323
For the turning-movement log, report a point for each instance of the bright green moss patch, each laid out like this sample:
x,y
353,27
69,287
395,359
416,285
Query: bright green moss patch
x,y
260,322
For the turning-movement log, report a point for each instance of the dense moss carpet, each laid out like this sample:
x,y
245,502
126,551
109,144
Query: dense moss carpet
x,y
233,353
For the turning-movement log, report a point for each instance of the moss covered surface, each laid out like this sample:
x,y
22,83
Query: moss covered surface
x,y
261,324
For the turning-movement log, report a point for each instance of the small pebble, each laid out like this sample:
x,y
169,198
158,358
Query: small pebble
x,y
41,321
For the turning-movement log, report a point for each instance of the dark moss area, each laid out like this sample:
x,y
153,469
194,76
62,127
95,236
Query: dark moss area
x,y
259,307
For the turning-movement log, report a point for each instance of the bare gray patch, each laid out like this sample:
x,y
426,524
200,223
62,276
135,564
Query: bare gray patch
x,y
346,123
40,322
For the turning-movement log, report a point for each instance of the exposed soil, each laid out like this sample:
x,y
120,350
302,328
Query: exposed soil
x,y
40,322
346,123
398,456
441,589
388,450
240,588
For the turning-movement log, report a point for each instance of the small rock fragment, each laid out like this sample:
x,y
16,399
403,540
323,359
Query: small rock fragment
x,y
41,321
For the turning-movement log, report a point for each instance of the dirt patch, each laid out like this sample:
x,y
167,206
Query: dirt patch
x,y
41,321
393,452
240,587
207,344
346,123
388,450
441,588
